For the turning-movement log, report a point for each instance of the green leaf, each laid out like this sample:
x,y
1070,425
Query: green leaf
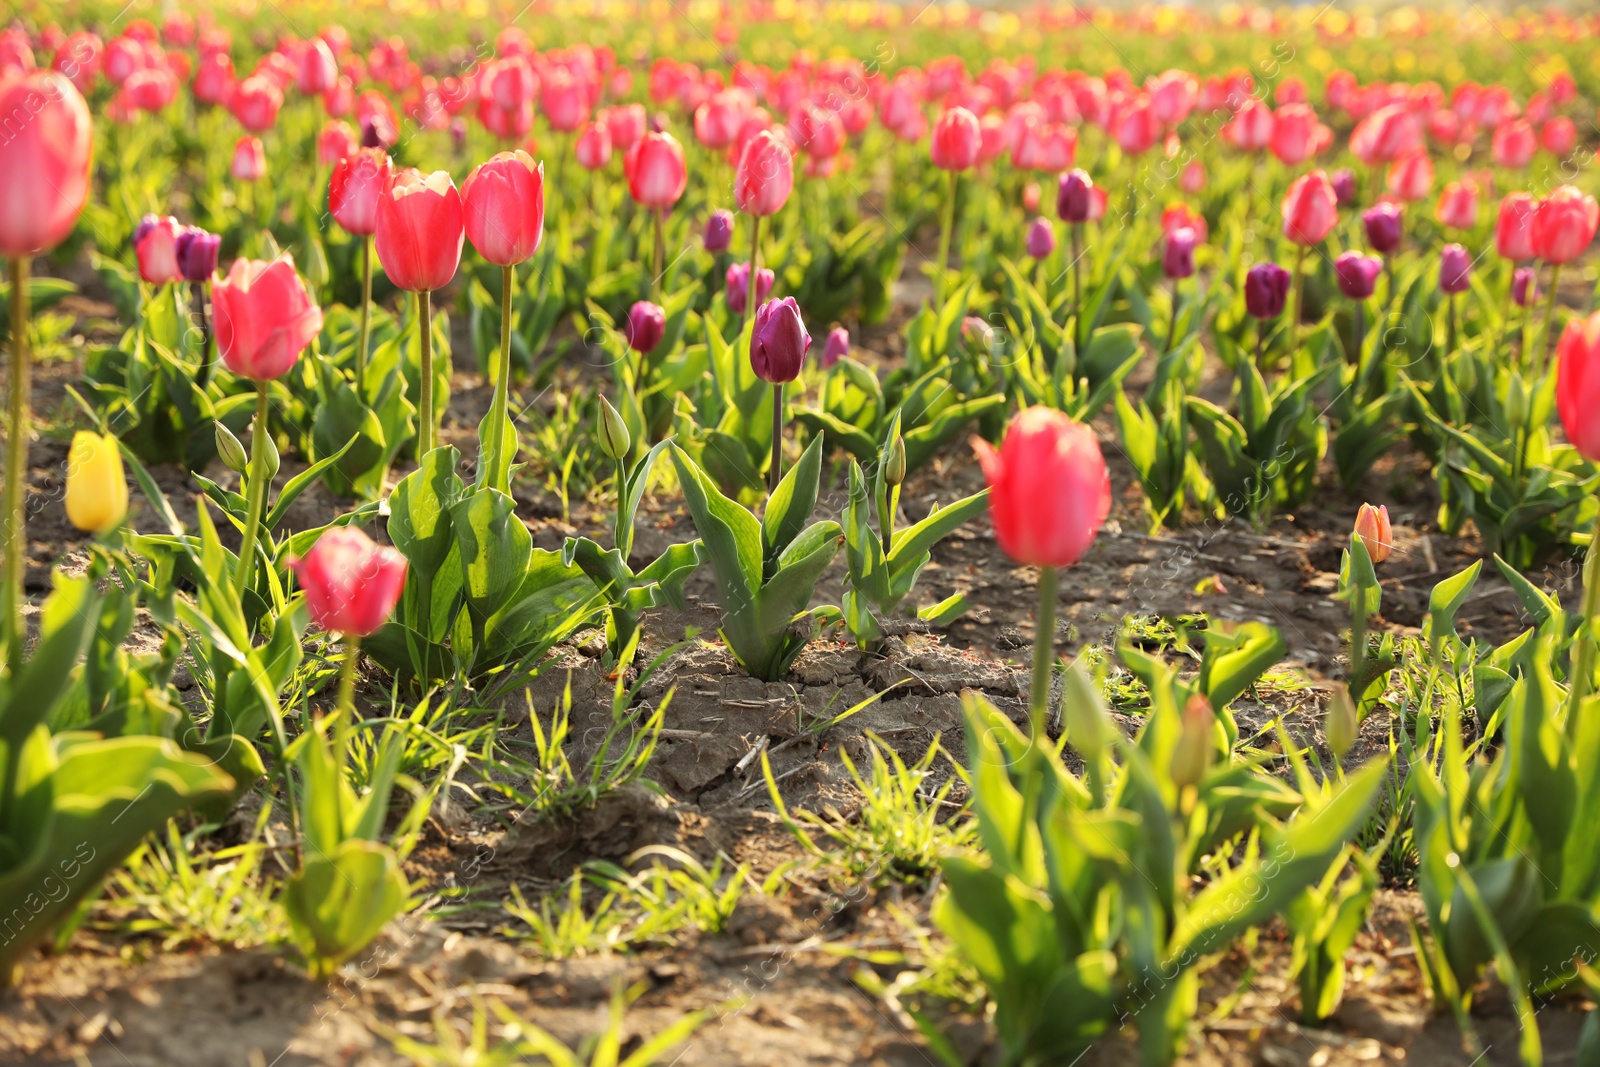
x,y
791,503
731,534
495,548
420,511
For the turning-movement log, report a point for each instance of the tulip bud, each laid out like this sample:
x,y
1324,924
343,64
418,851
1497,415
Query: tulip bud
x,y
1357,274
1266,290
1341,724
1564,225
894,469
1372,525
1090,729
719,230
779,341
1455,269
45,180
157,250
1041,239
1525,286
351,584
1384,227
1177,253
197,254
1193,753
230,450
956,141
836,347
502,204
1516,401
1343,181
765,175
646,324
738,286
97,489
249,159
615,441
265,317
1045,456
1310,209
1073,196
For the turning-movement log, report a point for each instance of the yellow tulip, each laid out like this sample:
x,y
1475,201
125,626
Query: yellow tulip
x,y
97,489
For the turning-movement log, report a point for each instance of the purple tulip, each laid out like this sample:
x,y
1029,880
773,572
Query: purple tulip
x,y
836,347
458,134
146,224
1357,274
1266,290
1074,196
646,323
739,286
779,342
719,230
1383,225
1177,253
1525,286
1041,238
1344,186
1455,269
197,253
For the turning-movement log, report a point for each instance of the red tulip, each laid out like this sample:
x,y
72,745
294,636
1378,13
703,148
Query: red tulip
x,y
503,201
319,71
957,140
79,58
1310,209
336,141
1513,229
249,159
593,147
1049,490
564,100
626,124
765,176
655,170
1578,384
44,173
816,131
157,251
255,103
265,317
1172,96
352,584
1458,205
1294,134
1134,126
1559,136
717,121
1564,224
1385,135
1514,144
1251,127
1410,177
1193,178
420,230
354,188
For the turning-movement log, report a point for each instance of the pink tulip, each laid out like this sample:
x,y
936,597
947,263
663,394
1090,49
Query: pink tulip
x,y
420,230
503,202
44,174
655,170
1049,489
265,317
352,584
249,159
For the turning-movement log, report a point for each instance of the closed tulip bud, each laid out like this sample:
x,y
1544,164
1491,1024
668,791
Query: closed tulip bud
x,y
765,176
255,103
836,347
1049,489
894,469
97,489
1516,400
1411,176
1455,269
249,159
1343,181
978,334
1372,526
1578,384
1266,290
1384,226
1073,196
1525,286
1357,274
738,286
1192,754
197,254
157,250
503,206
352,584
1310,209
1041,239
1564,225
1090,729
1030,197
229,450
779,341
1177,252
1340,726
354,188
719,231
421,228
957,140
655,170
1513,227
646,323
593,147
615,441
44,179
1458,205
265,317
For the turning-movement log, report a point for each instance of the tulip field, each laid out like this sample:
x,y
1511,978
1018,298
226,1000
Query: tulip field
x,y
625,532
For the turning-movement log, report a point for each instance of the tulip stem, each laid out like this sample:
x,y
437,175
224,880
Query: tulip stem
x,y
1043,651
204,375
1549,323
661,253
1077,288
1583,654
426,431
622,538
776,470
255,492
945,232
755,265
1299,301
1172,319
366,315
1450,325
494,455
15,517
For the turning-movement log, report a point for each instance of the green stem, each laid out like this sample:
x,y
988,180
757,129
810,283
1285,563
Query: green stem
x,y
1172,319
427,432
1077,288
622,537
1549,324
1583,655
888,504
661,255
502,385
366,315
1043,651
945,230
775,472
755,263
256,492
344,718
1299,300
15,518
1450,322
